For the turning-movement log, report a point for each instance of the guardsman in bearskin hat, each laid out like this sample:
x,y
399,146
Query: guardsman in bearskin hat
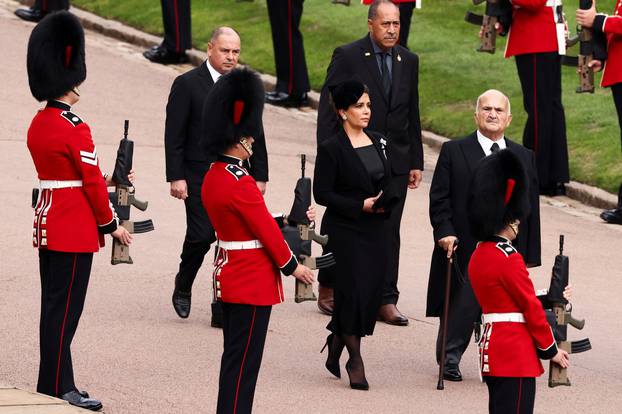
x,y
251,250
72,212
515,332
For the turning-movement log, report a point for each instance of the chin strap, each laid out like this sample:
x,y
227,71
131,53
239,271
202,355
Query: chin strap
x,y
247,147
75,90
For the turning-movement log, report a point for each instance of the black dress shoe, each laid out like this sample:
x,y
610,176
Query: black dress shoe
x,y
286,100
452,373
31,14
612,216
75,398
557,189
216,321
181,303
160,54
84,394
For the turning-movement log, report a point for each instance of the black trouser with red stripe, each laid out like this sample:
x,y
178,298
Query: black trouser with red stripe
x,y
64,280
244,329
545,131
406,12
616,90
509,395
48,6
176,19
289,52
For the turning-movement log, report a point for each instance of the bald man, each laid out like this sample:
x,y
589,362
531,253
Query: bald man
x,y
187,163
448,200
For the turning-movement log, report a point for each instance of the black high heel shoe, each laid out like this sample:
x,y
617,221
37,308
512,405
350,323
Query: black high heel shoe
x,y
363,385
332,361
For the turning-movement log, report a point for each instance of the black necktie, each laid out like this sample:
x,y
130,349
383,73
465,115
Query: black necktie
x,y
386,76
494,148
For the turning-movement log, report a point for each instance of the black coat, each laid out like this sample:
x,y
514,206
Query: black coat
x,y
357,239
183,130
398,120
448,215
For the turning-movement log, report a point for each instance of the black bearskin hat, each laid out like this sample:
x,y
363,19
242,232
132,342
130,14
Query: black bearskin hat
x,y
233,109
55,59
498,194
347,93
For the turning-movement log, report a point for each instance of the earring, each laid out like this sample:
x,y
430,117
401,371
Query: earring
x,y
345,118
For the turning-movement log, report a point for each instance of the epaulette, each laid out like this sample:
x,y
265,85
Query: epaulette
x,y
237,172
506,248
71,117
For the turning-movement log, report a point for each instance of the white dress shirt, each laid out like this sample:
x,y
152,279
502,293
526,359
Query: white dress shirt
x,y
215,74
486,143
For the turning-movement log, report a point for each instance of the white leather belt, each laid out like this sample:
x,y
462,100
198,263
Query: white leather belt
x,y
240,245
503,317
54,184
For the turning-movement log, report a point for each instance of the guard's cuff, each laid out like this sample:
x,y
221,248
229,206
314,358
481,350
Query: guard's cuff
x,y
109,227
289,267
547,353
599,22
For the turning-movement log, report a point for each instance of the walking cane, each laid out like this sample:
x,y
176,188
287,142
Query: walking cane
x,y
441,367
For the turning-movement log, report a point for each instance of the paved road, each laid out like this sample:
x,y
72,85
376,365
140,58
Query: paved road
x,y
135,354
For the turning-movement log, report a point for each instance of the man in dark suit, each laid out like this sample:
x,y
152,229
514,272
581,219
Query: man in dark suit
x,y
391,73
187,163
292,78
177,34
41,8
448,215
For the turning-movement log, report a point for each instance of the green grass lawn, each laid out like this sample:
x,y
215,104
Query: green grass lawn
x,y
452,74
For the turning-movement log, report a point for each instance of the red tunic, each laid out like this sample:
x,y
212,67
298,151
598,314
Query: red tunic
x,y
238,213
67,219
612,27
501,284
533,28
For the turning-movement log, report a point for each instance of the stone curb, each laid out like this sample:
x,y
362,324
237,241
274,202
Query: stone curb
x,y
581,192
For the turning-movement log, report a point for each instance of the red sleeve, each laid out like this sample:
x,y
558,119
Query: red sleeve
x,y
516,281
612,24
249,203
84,156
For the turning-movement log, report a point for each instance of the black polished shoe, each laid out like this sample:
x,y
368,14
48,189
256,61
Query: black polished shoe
x,y
557,189
31,14
612,216
75,398
181,303
160,54
452,373
84,394
216,321
286,100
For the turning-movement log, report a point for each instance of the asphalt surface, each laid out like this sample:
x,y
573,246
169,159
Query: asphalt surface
x,y
132,351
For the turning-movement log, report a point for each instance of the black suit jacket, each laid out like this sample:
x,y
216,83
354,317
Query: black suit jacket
x,y
448,215
398,119
341,181
183,130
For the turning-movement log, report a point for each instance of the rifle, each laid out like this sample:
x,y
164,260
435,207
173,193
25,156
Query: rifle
x,y
586,54
299,233
124,197
561,316
488,22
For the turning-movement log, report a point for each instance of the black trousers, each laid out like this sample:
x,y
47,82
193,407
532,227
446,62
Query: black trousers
x,y
176,20
616,90
390,293
511,395
64,281
464,311
48,6
199,231
289,52
244,329
406,12
545,130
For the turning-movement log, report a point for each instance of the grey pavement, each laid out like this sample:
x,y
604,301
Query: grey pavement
x,y
132,351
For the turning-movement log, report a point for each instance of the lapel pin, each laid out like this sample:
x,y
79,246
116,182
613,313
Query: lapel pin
x,y
399,58
367,54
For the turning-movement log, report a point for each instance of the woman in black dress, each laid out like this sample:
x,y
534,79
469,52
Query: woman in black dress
x,y
351,179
